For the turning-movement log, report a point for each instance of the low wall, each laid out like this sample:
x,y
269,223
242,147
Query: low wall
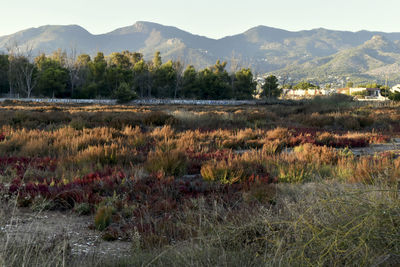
x,y
140,101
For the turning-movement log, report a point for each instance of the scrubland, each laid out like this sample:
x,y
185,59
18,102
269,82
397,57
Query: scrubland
x,y
268,185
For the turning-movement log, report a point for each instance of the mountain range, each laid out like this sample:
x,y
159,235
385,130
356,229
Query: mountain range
x,y
328,56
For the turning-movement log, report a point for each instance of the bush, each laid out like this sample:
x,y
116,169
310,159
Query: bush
x,y
395,96
103,218
124,94
170,162
222,171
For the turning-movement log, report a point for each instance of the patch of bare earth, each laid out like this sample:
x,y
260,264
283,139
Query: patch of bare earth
x,y
23,225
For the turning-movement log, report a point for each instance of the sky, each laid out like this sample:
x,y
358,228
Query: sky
x,y
211,18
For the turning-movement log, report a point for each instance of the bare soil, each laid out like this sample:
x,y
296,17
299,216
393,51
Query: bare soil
x,y
24,225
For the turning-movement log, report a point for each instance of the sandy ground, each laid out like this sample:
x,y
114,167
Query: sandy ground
x,y
393,147
24,225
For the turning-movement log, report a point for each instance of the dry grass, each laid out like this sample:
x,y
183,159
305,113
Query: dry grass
x,y
276,192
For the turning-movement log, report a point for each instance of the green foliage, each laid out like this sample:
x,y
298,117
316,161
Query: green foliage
x,y
124,94
244,85
305,85
360,93
164,80
270,87
214,82
52,77
101,77
83,208
103,217
189,83
157,62
4,67
395,96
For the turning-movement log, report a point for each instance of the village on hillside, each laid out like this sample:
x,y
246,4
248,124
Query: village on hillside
x,y
360,93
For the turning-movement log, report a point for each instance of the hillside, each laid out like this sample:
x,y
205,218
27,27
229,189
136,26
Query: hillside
x,y
376,58
302,54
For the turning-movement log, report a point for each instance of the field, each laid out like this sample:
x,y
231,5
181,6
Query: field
x,y
312,182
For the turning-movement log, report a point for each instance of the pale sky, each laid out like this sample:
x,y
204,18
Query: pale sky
x,y
211,18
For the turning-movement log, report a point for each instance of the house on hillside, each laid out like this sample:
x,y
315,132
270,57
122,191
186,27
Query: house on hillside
x,y
345,91
301,93
363,93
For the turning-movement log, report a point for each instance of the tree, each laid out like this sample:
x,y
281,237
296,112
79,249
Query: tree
x,y
271,87
164,80
22,72
214,82
179,69
244,84
350,84
189,83
305,85
157,62
74,70
124,94
235,61
98,68
394,96
4,66
52,76
141,78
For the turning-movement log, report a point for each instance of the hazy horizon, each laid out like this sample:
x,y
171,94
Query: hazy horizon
x,y
211,19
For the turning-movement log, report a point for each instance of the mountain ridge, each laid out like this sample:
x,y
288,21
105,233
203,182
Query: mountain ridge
x,y
264,49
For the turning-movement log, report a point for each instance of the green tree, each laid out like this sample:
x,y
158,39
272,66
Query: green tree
x,y
350,84
244,84
190,88
82,82
305,85
394,96
52,77
141,78
97,77
157,62
124,94
214,82
164,80
4,67
271,87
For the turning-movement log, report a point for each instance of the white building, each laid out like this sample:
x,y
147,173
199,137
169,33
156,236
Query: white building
x,y
395,89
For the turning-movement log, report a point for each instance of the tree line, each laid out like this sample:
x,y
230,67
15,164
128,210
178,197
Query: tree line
x,y
123,75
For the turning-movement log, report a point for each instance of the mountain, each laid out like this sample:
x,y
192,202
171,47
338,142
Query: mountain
x,y
377,58
302,54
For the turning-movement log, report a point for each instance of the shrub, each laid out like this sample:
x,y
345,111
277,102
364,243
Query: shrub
x,y
170,162
294,172
395,96
326,139
78,123
157,118
83,208
124,93
221,171
273,147
103,218
348,122
316,154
